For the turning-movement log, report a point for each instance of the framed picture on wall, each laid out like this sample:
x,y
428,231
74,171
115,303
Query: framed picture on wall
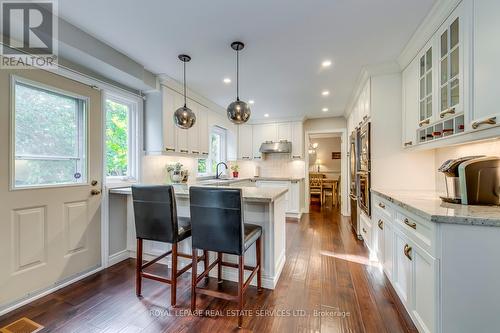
x,y
336,156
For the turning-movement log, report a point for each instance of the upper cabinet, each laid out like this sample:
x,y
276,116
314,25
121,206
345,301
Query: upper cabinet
x,y
361,107
284,132
245,142
486,71
411,105
297,140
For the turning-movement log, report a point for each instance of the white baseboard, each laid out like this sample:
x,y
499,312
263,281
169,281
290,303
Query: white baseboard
x,y
294,215
44,292
118,257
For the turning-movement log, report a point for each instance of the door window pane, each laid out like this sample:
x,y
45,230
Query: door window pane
x,y
117,138
49,136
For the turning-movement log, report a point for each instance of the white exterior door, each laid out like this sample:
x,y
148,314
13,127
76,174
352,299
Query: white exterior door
x,y
51,160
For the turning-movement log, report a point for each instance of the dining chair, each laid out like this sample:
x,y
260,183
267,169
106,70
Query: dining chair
x,y
327,190
315,186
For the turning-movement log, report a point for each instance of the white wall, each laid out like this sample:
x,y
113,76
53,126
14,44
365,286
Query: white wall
x,y
488,148
392,167
320,124
273,165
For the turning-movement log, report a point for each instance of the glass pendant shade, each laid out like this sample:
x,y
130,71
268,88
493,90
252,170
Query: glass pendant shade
x,y
184,117
238,111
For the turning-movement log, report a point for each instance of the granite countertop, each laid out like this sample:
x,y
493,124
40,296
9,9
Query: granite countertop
x,y
429,206
250,194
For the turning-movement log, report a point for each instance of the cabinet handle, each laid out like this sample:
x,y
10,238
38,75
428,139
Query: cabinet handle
x,y
381,205
410,224
245,157
204,153
296,156
409,143
258,157
169,149
184,151
381,224
195,152
489,121
443,114
407,251
424,122
364,230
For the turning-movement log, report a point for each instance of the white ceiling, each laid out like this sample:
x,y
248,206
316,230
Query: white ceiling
x,y
286,41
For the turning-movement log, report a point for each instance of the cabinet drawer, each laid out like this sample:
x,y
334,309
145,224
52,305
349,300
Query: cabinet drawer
x,y
419,231
382,207
366,230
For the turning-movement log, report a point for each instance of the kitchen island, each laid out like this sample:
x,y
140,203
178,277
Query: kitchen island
x,y
262,206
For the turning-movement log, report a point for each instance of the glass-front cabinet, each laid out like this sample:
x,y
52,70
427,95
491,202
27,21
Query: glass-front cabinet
x,y
425,87
450,70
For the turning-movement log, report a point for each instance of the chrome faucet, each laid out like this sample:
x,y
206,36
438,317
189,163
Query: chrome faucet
x,y
217,169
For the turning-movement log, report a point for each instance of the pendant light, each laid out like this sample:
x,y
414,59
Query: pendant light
x,y
184,117
238,111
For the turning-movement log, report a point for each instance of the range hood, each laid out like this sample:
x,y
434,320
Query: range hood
x,y
282,147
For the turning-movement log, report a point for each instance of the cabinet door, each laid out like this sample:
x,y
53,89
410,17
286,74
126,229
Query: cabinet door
x,y
270,132
425,85
378,237
403,267
257,140
194,132
284,132
202,120
297,140
367,98
245,143
424,279
169,135
182,145
486,112
388,260
410,103
280,184
294,203
450,51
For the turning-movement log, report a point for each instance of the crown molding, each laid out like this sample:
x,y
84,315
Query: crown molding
x,y
366,73
427,28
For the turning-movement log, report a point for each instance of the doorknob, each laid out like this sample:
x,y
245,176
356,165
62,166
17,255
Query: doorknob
x,y
95,192
94,182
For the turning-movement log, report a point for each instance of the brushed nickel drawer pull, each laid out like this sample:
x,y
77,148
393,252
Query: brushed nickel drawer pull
x,y
169,149
381,205
407,251
424,122
296,156
195,151
409,143
445,112
245,157
489,121
184,151
204,153
258,157
381,224
410,224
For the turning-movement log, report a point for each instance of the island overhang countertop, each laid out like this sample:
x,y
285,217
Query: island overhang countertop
x,y
249,194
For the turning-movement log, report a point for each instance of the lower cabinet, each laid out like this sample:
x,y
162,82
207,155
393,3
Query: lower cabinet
x,y
292,197
413,272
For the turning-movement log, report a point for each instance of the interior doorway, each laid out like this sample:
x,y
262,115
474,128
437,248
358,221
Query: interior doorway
x,y
326,169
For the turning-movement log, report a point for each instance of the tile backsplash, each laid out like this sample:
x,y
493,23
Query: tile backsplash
x,y
488,148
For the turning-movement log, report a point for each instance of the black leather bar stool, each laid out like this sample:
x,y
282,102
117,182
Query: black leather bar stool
x,y
217,225
156,219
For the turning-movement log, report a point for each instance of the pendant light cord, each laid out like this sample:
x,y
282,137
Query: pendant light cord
x,y
237,75
184,84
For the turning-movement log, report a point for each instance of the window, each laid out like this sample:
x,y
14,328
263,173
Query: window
x,y
217,152
49,136
121,137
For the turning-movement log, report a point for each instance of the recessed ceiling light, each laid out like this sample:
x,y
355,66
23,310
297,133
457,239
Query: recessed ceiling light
x,y
324,109
325,93
227,80
251,101
326,63
266,115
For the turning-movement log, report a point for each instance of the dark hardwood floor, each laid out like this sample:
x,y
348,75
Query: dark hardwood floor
x,y
327,285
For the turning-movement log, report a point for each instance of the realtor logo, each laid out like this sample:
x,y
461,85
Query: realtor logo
x,y
29,31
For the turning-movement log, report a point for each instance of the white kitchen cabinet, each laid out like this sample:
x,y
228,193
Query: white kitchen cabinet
x,y
388,249
402,266
279,184
366,230
269,132
245,142
194,131
169,133
257,140
424,289
182,143
202,119
486,68
378,237
292,197
410,103
284,132
297,140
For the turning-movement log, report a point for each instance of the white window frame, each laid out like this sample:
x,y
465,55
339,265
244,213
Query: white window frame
x,y
134,136
223,133
84,152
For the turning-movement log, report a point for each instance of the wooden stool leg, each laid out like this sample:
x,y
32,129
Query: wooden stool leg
x,y
258,250
138,268
173,286
206,263
241,281
219,267
193,279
